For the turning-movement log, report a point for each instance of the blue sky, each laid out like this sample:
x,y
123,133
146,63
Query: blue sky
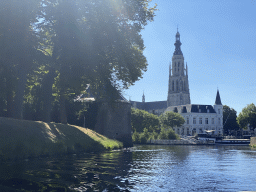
x,y
219,45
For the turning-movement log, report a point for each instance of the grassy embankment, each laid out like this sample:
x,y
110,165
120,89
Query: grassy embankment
x,y
24,139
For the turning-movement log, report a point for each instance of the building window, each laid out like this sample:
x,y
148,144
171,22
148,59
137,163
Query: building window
x,y
199,110
187,120
219,121
212,120
219,111
200,120
208,111
206,120
194,120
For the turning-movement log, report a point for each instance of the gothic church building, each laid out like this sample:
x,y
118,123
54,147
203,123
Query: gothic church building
x,y
198,118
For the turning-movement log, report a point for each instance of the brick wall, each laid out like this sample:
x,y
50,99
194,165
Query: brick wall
x,y
114,121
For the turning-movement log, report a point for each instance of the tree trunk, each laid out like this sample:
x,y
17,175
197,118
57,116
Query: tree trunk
x,y
9,95
19,94
9,103
63,115
47,94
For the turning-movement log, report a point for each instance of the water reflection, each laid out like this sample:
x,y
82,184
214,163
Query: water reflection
x,y
144,168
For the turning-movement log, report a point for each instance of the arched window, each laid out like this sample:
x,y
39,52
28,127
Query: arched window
x,y
178,66
172,85
177,85
181,85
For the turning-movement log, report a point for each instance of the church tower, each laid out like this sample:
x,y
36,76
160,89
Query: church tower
x,y
178,89
143,98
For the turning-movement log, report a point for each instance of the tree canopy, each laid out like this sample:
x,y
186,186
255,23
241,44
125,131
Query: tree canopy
x,y
51,49
229,119
247,116
171,119
141,119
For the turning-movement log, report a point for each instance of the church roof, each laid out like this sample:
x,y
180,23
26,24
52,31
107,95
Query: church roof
x,y
150,105
192,108
217,100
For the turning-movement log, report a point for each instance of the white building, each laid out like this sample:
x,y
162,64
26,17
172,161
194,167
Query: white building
x,y
200,118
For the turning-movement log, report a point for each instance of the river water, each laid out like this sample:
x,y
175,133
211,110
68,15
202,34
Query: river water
x,y
144,168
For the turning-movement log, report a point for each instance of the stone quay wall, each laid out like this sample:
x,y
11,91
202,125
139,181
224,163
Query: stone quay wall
x,y
169,142
180,142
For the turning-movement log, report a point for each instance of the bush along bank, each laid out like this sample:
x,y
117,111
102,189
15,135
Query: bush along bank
x,y
25,139
164,134
147,126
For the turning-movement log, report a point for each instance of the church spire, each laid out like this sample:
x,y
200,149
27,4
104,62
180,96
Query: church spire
x,y
143,97
217,100
177,44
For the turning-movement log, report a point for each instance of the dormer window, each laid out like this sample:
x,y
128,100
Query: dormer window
x,y
199,110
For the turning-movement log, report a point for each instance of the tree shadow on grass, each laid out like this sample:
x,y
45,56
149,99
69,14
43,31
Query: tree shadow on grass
x,y
23,139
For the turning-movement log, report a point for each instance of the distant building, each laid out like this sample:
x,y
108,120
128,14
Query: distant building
x,y
198,118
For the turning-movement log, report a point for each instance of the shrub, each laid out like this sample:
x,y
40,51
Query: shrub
x,y
167,134
136,137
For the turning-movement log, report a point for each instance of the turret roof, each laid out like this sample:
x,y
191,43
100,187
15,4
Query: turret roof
x,y
218,100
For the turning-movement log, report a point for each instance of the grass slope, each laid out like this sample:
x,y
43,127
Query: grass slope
x,y
23,139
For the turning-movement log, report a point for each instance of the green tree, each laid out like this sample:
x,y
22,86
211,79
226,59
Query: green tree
x,y
247,116
229,119
96,42
141,119
18,48
167,134
171,119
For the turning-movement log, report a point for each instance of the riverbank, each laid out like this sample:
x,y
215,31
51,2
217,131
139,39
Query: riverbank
x,y
253,142
180,142
25,139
